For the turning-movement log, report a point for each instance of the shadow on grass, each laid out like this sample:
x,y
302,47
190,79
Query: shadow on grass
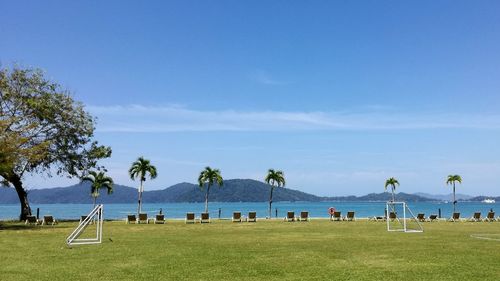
x,y
17,226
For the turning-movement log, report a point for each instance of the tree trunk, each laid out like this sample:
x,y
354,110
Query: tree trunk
x,y
139,207
206,199
454,200
393,198
23,196
270,201
94,200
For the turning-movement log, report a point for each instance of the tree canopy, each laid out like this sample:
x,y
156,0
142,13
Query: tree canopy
x,y
140,168
275,178
453,178
210,176
43,130
392,182
98,180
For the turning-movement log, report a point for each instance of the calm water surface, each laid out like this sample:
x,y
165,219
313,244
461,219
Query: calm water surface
x,y
178,210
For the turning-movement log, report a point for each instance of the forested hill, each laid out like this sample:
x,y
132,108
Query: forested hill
x,y
235,190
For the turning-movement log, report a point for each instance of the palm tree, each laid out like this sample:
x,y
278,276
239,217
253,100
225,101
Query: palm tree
x,y
98,181
139,169
391,182
452,179
275,179
208,177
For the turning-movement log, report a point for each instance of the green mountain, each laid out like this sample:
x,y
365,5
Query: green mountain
x,y
235,190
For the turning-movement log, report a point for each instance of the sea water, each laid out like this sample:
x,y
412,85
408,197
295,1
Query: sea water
x,y
179,210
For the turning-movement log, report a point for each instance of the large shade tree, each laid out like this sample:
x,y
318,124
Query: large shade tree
x,y
42,130
97,181
208,178
392,182
452,179
274,179
140,169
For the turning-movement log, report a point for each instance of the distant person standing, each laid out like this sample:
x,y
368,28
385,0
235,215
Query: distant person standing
x,y
331,211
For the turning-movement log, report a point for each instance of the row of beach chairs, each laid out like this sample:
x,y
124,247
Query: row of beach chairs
x,y
47,220
252,217
392,216
237,217
421,218
304,216
205,218
476,217
143,218
190,218
290,216
337,216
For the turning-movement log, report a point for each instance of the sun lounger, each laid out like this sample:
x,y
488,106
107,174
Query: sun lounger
x,y
190,218
236,217
131,219
205,218
304,216
455,217
377,218
432,218
350,216
143,218
490,217
290,216
49,220
476,217
421,217
392,216
31,220
337,216
159,219
252,217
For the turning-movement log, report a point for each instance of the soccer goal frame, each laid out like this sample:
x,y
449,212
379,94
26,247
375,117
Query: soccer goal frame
x,y
407,215
96,215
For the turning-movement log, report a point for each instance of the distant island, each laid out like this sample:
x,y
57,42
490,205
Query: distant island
x,y
234,190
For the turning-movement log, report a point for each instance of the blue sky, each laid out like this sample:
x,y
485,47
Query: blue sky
x,y
340,95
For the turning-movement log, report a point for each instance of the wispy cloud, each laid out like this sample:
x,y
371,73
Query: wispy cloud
x,y
140,118
263,77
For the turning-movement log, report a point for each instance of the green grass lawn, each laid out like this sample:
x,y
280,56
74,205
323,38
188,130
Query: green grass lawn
x,y
266,250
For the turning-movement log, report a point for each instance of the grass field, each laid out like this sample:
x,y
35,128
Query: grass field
x,y
266,250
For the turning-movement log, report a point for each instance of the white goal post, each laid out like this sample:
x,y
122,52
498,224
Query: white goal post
x,y
96,215
399,217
